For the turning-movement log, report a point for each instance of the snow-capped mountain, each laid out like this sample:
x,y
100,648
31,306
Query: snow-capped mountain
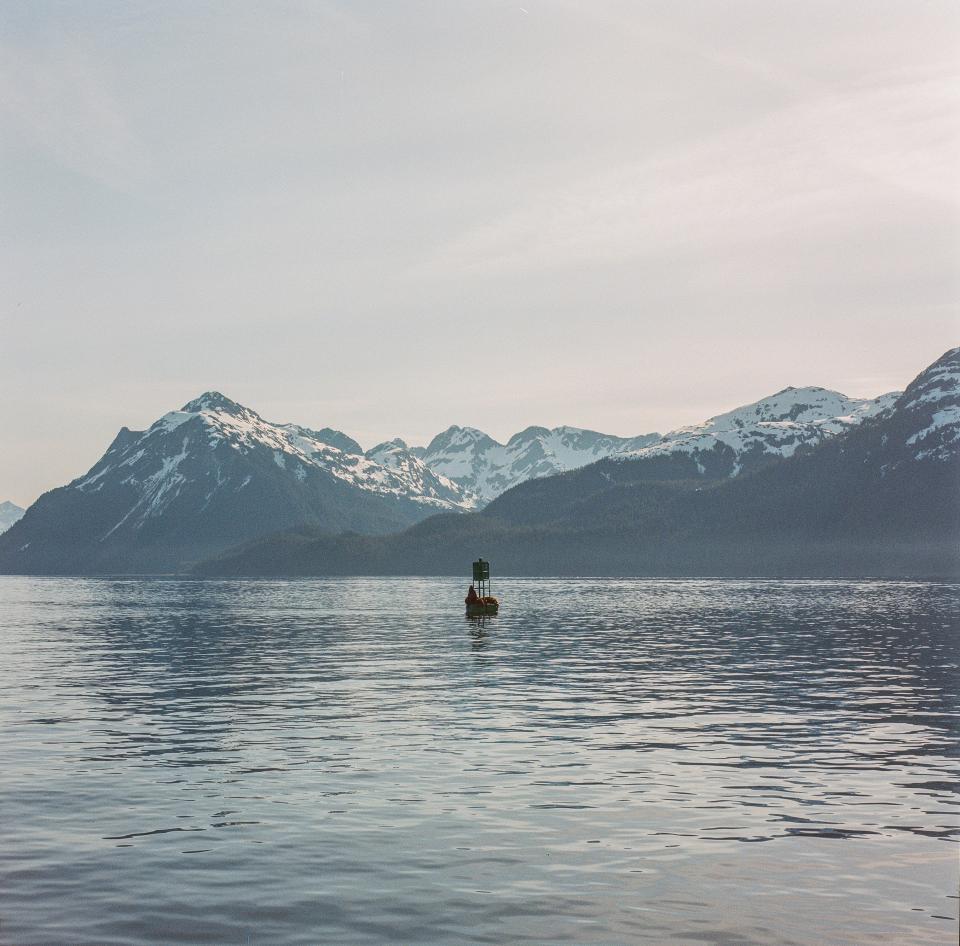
x,y
298,450
932,401
397,456
877,498
215,474
210,475
775,426
487,468
9,514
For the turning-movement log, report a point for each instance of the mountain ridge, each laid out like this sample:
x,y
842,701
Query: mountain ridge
x,y
215,474
204,477
874,500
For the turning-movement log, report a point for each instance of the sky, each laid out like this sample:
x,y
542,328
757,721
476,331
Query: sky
x,y
389,218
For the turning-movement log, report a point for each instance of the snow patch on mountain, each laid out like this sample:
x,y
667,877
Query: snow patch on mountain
x,y
9,514
778,425
941,381
157,490
947,421
933,400
397,456
486,468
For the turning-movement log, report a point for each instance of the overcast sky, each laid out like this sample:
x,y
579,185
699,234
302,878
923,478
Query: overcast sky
x,y
392,217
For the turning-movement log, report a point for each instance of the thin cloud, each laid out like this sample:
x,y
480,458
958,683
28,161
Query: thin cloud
x,y
57,99
807,169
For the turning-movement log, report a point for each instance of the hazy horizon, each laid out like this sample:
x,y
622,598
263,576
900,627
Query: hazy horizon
x,y
389,221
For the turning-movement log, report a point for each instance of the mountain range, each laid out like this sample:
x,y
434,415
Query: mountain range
x,y
208,476
729,443
878,497
216,475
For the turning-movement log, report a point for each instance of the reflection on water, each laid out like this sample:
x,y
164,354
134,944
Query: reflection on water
x,y
353,761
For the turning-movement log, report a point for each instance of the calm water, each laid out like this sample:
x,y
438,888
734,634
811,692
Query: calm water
x,y
352,761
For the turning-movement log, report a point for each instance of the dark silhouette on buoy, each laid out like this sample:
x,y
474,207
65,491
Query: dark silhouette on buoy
x,y
481,602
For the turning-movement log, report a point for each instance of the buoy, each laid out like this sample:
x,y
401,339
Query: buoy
x,y
479,600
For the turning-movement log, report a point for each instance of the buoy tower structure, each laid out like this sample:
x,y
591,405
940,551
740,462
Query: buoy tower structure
x,y
483,602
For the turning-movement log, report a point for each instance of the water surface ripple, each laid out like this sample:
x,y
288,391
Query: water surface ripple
x,y
353,761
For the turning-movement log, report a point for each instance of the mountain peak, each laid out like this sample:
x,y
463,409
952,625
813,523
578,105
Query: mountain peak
x,y
803,405
932,402
388,446
459,438
213,401
942,375
529,433
9,514
806,389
